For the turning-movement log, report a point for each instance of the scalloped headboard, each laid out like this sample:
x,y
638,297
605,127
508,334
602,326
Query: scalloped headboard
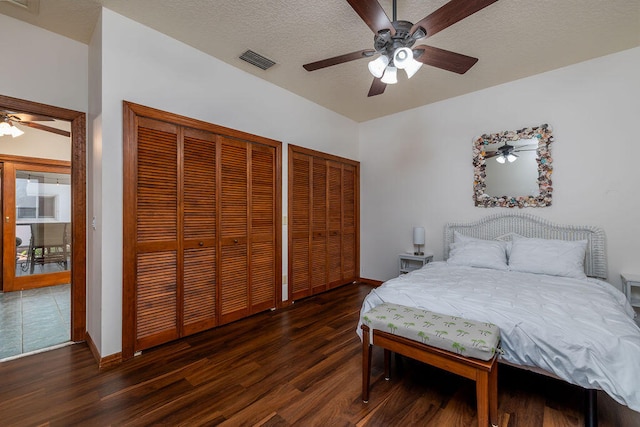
x,y
501,226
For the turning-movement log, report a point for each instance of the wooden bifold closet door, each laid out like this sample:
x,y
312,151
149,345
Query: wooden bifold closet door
x,y
247,229
175,239
202,239
323,222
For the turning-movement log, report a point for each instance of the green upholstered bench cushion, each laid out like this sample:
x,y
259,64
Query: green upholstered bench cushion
x,y
469,338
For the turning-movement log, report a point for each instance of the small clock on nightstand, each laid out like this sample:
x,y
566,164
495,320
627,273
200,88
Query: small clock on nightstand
x,y
409,262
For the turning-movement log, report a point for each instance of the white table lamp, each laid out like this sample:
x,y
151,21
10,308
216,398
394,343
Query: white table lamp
x,y
418,239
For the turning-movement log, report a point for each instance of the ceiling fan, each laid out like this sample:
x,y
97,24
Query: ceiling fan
x,y
10,118
393,40
507,152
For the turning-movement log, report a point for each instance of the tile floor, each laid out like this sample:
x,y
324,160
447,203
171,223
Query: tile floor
x,y
34,319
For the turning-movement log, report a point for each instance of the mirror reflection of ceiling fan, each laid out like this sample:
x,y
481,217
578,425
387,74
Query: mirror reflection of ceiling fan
x,y
8,120
393,41
507,153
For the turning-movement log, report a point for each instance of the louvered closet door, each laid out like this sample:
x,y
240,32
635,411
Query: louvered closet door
x,y
202,243
156,282
299,223
319,262
334,171
247,229
234,277
323,226
262,233
199,231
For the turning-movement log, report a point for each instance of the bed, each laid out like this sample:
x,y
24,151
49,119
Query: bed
x,y
543,285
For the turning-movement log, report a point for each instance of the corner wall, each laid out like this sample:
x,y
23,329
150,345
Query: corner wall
x,y
417,166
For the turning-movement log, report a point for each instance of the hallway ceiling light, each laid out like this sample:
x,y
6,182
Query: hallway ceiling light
x,y
7,128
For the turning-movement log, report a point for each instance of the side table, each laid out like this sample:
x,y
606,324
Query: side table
x,y
409,262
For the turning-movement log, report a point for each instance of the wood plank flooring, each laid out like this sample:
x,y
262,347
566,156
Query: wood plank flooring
x,y
298,366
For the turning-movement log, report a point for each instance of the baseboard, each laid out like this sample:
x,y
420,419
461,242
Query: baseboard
x,y
103,362
371,282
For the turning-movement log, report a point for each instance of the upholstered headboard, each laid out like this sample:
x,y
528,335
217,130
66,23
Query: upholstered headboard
x,y
502,226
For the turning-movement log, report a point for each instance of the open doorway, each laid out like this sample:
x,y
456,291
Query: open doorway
x,y
44,221
36,293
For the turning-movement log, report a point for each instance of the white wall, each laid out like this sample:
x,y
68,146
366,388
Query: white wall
x,y
48,68
416,166
141,65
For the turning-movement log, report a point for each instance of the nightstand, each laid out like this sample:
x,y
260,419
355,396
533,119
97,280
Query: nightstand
x,y
408,262
631,283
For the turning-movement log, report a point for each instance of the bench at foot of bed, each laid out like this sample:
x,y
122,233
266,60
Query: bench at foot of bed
x,y
422,335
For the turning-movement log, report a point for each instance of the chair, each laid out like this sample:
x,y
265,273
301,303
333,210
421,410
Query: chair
x,y
49,243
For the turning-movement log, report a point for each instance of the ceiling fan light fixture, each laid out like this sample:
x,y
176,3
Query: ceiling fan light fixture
x,y
16,132
393,34
501,159
7,128
402,57
390,76
412,68
511,157
378,65
419,33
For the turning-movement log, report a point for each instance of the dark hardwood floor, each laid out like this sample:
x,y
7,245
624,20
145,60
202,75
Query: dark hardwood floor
x,y
298,366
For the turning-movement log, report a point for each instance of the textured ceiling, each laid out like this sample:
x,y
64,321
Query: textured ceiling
x,y
512,38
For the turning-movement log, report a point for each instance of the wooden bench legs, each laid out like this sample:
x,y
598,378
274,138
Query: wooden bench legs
x,y
366,365
484,373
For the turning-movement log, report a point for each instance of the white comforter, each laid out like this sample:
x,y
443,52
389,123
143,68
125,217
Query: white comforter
x,y
580,330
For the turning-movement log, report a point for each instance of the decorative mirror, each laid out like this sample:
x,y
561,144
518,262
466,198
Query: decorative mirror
x,y
513,168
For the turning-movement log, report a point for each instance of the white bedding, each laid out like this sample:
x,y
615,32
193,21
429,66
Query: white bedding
x,y
581,330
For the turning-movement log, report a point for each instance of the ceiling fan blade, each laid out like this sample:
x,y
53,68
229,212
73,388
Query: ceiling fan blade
x,y
449,14
46,128
490,154
445,59
373,15
24,117
365,53
377,87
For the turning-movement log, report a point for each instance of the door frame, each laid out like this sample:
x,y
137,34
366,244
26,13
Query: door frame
x,y
9,226
78,202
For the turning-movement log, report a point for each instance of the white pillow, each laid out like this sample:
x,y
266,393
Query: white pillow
x,y
473,252
548,256
457,237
